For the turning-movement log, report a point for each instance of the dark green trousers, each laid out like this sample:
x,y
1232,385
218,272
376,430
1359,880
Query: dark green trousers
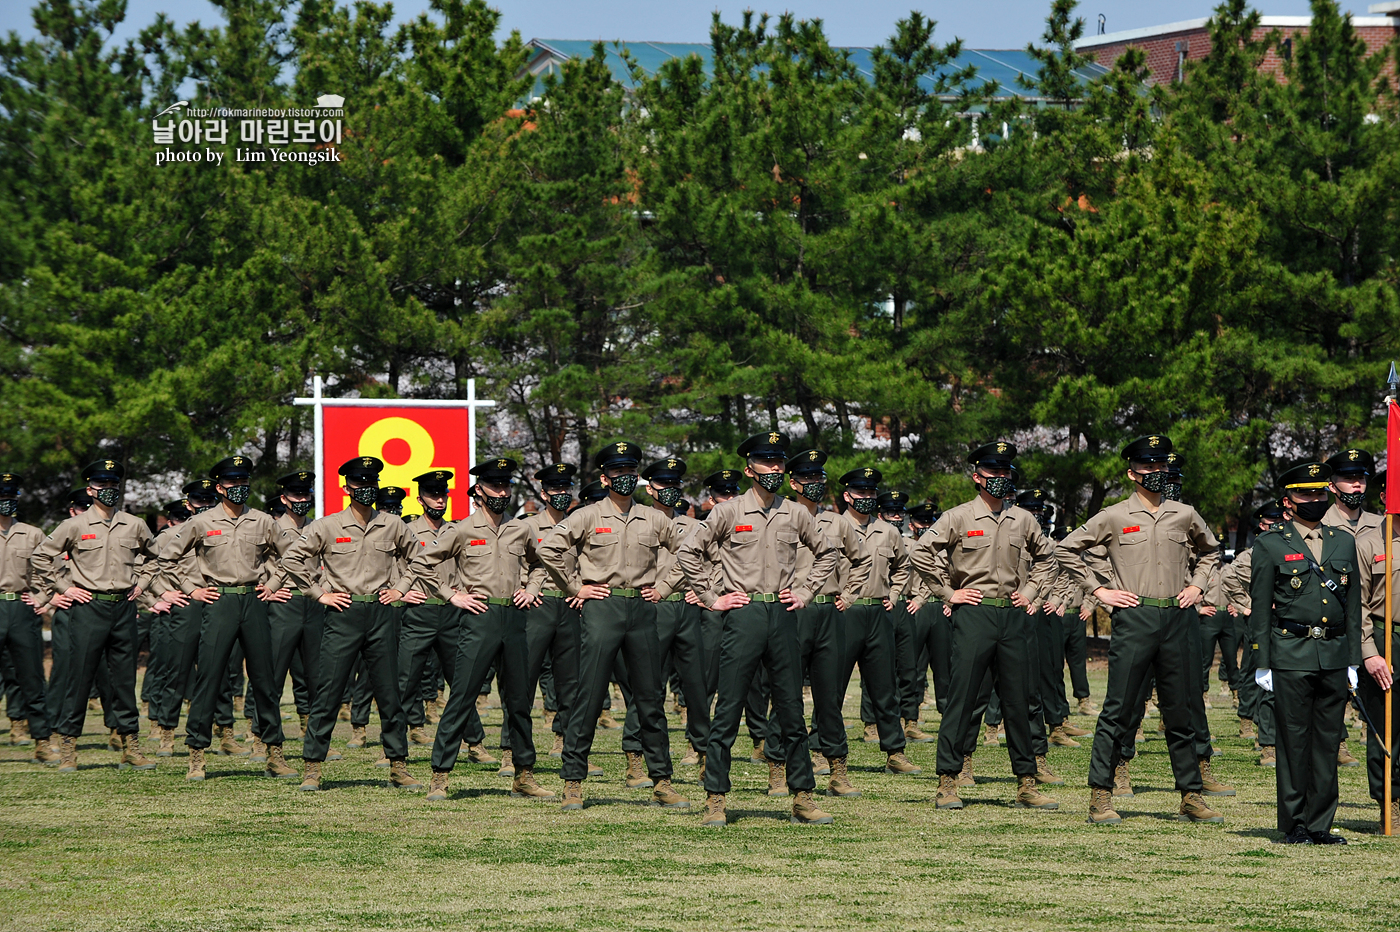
x,y
608,626
928,635
179,647
988,708
1310,707
552,633
1255,704
1150,641
1219,630
987,639
97,633
234,619
296,625
1373,698
1052,668
760,634
497,636
428,631
1076,653
870,643
22,638
153,683
678,639
821,645
366,629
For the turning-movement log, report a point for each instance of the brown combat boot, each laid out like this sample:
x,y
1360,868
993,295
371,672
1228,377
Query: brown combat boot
x,y
1194,809
756,755
311,779
1267,757
1086,707
1234,698
1140,737
1028,797
477,754
1122,782
153,734
1205,699
777,780
871,735
228,746
636,775
549,718
1344,756
991,740
419,735
700,773
114,740
196,771
947,797
914,734
303,720
431,712
524,786
1101,810
277,764
399,775
132,758
95,705
573,795
44,752
606,722
840,783
238,705
382,763
666,796
821,767
1246,727
67,754
898,763
594,770
344,714
1061,739
1073,730
437,786
715,816
965,776
691,758
19,733
167,742
1394,817
507,768
805,811
357,737
1211,786
1044,774
557,750
259,753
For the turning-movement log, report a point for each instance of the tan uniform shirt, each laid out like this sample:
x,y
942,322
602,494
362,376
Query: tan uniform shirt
x,y
889,561
478,558
228,551
971,548
1370,560
102,555
1148,554
1235,581
158,583
1214,591
756,549
427,535
853,558
274,577
612,549
361,559
537,577
17,545
1337,519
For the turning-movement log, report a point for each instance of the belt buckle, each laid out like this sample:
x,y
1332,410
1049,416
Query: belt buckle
x,y
1316,631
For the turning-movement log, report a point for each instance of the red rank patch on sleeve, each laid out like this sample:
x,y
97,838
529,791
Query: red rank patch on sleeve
x,y
1132,530
976,533
422,543
89,537
213,533
602,530
743,527
1379,558
1290,557
344,540
477,543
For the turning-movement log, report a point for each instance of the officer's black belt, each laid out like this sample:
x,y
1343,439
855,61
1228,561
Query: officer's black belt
x,y
1316,632
1157,603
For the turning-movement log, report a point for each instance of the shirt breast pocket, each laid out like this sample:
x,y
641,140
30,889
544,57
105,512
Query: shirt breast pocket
x,y
1133,548
786,543
1293,578
976,544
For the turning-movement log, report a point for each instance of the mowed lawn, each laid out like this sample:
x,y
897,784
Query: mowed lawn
x,y
109,850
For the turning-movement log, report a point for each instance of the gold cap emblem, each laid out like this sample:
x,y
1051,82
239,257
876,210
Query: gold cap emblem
x,y
812,455
1314,469
869,472
1001,447
773,437
1154,441
367,461
671,463
111,464
1353,455
502,463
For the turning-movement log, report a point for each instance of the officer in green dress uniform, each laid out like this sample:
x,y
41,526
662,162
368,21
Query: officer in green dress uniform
x,y
1306,621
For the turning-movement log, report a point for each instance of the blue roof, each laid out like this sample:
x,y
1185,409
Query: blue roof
x,y
1003,66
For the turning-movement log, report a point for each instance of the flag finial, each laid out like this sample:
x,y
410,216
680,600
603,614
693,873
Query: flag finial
x,y
1394,380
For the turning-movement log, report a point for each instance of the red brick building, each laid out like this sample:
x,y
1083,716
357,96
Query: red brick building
x,y
1169,46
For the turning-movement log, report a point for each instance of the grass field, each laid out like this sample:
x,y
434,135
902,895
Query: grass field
x,y
109,850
